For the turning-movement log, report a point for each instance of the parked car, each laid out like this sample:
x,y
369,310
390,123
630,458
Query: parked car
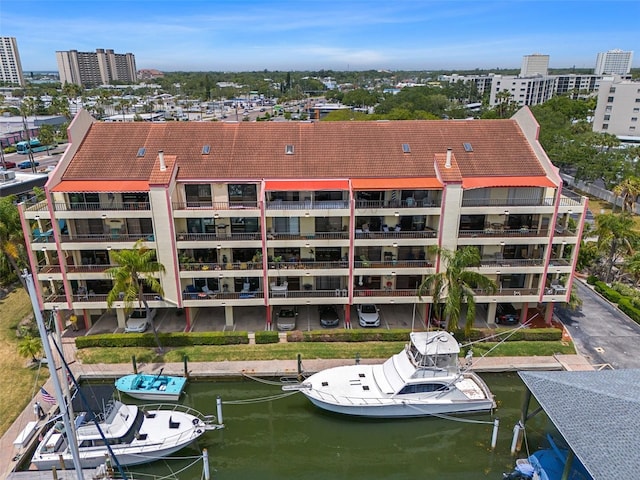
x,y
286,319
138,320
27,164
328,316
8,164
368,315
506,314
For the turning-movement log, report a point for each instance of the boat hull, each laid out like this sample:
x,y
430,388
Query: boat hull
x,y
152,387
161,433
402,409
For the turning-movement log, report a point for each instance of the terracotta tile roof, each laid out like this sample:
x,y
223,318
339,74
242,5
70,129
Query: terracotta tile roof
x,y
254,150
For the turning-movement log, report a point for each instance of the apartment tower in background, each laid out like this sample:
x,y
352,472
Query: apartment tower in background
x,y
10,66
615,62
92,69
536,64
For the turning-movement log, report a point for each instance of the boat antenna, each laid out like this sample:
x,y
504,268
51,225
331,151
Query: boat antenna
x,y
62,404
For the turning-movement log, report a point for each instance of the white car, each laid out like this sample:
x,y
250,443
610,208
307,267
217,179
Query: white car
x,y
138,320
368,315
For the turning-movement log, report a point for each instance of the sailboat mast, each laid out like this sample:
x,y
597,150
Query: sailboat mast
x,y
62,404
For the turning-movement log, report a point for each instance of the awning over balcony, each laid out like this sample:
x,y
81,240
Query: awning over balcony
x,y
494,182
102,186
305,185
395,183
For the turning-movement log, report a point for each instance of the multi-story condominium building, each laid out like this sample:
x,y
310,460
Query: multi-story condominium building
x,y
615,62
536,64
618,109
10,66
252,216
92,69
524,90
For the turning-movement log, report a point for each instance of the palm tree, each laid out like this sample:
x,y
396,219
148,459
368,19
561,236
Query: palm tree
x,y
30,346
136,268
628,190
455,285
11,237
616,238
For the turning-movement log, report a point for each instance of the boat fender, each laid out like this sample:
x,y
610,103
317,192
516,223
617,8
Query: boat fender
x,y
198,431
196,421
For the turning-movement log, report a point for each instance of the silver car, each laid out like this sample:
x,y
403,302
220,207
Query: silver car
x,y
138,320
368,315
286,319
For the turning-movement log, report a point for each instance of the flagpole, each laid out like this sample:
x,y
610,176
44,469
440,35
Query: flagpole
x,y
62,404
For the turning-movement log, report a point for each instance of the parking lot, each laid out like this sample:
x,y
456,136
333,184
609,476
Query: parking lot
x,y
253,319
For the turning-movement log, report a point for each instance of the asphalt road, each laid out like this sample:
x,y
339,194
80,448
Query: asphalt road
x,y
601,332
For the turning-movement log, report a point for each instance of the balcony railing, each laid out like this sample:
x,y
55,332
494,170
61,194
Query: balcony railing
x,y
307,205
98,206
209,205
308,236
400,234
108,237
518,202
512,262
212,237
516,292
504,232
426,203
209,266
221,295
386,292
393,264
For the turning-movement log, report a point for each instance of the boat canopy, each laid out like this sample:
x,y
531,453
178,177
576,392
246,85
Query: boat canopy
x,y
435,343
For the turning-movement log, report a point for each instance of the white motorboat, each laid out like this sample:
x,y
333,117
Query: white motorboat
x,y
135,434
423,379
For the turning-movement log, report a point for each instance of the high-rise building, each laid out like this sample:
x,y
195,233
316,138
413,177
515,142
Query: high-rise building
x,y
536,64
618,108
615,62
10,66
100,68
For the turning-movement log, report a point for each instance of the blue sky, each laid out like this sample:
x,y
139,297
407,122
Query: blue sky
x,y
240,35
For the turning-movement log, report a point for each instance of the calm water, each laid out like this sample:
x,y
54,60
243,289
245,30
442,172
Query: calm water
x,y
288,438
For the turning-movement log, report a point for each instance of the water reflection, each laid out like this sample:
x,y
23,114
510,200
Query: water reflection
x,y
289,438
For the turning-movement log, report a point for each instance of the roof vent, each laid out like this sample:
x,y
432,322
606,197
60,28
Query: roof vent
x,y
467,147
163,164
406,148
288,150
206,149
141,152
448,162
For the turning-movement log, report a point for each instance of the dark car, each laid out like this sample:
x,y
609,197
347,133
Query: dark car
x,y
506,314
328,316
8,164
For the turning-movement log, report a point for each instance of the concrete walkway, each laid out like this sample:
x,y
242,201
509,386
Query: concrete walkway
x,y
270,368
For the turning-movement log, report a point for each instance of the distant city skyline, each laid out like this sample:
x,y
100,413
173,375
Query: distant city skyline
x,y
243,35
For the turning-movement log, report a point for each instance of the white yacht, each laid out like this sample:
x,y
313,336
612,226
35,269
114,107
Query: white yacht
x,y
135,434
424,379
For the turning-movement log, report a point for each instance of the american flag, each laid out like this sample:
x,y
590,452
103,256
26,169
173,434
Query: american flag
x,y
46,397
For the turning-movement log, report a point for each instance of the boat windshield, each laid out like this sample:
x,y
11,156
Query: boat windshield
x,y
446,360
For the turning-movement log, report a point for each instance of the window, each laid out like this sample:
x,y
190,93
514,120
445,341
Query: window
x,y
605,126
288,149
636,110
198,195
608,108
467,147
634,119
612,90
607,117
610,99
242,192
406,148
206,149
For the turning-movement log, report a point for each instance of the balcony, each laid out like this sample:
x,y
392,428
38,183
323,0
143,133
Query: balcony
x,y
501,231
108,237
212,237
209,205
209,266
392,234
307,205
408,203
98,206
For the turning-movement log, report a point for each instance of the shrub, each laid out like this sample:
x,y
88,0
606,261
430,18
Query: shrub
x,y
607,292
592,279
267,336
631,310
178,339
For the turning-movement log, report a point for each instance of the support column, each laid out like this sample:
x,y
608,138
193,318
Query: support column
x,y
548,313
491,313
228,316
122,318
